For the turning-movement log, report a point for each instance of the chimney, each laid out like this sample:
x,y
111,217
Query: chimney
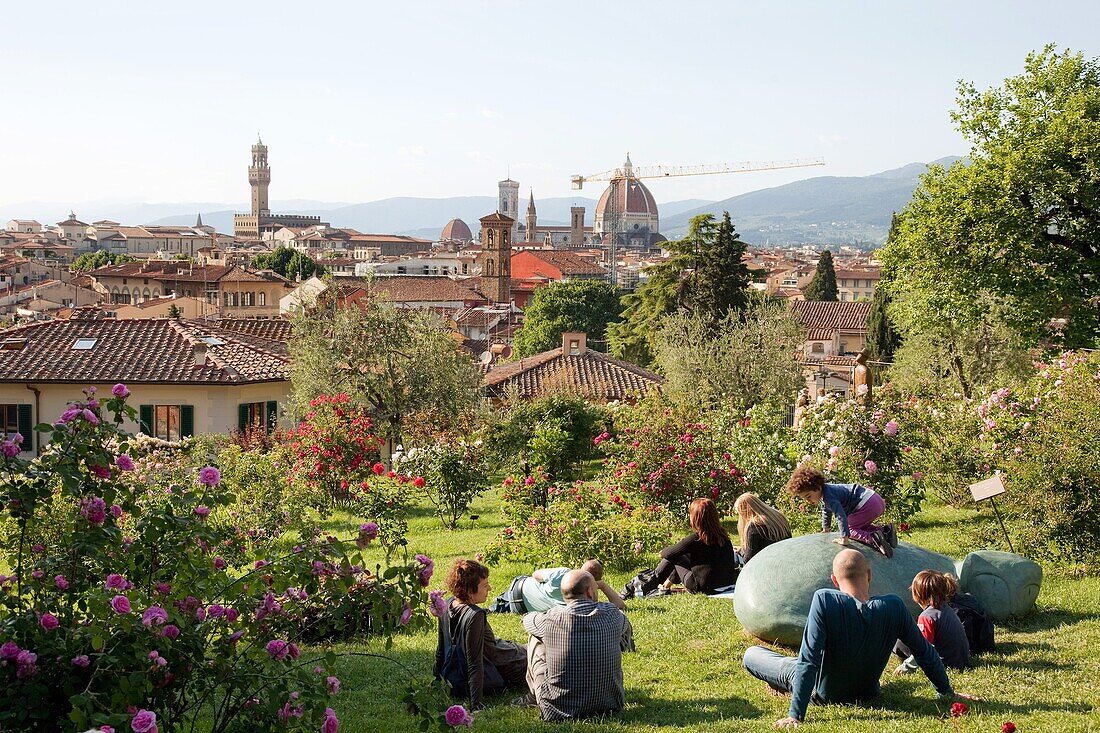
x,y
576,227
573,343
200,354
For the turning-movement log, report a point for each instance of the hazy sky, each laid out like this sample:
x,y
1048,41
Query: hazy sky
x,y
151,101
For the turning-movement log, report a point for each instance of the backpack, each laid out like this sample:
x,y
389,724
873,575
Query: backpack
x,y
641,585
975,621
455,668
511,600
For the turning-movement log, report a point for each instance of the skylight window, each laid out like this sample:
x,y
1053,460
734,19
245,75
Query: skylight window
x,y
213,340
84,344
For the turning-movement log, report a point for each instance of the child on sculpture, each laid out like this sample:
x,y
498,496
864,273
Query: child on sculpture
x,y
854,505
491,664
939,624
704,560
758,525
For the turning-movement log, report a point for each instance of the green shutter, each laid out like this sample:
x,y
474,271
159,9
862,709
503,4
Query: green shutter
x,y
187,421
242,417
145,415
272,416
26,427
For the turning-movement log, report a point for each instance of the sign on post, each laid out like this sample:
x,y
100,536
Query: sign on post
x,y
987,489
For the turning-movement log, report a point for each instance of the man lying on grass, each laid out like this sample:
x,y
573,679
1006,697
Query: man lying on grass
x,y
848,639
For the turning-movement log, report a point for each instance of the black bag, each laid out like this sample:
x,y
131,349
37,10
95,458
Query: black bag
x,y
975,621
455,669
641,585
511,600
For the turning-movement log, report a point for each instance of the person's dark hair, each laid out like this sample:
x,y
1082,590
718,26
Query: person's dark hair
x,y
464,577
593,567
934,589
703,516
805,480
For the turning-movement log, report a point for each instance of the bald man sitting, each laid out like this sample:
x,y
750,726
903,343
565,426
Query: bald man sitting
x,y
847,642
574,657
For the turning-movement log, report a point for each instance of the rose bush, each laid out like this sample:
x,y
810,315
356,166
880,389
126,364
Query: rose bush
x,y
452,471
126,615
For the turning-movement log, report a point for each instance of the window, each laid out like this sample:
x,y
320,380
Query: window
x,y
167,422
263,298
84,344
257,416
817,348
9,420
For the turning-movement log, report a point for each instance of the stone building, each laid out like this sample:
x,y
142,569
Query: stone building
x,y
260,223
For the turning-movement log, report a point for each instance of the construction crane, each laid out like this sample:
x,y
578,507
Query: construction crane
x,y
629,173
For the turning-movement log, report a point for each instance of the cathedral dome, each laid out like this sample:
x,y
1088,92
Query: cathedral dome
x,y
456,231
626,196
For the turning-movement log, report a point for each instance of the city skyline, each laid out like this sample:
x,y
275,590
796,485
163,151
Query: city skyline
x,y
153,104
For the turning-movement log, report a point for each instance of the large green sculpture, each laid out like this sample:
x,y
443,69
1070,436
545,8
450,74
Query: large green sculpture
x,y
774,590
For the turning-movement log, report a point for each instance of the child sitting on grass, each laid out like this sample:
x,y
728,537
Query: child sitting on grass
x,y
938,623
854,505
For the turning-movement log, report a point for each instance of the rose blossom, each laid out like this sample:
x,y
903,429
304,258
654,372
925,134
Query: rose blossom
x,y
125,462
425,573
202,511
333,685
121,605
115,581
106,729
1008,727
959,709
60,582
406,615
892,428
144,721
278,649
332,723
120,390
457,715
49,622
81,661
870,467
170,632
94,509
90,416
210,476
219,563
10,449
9,650
437,606
154,615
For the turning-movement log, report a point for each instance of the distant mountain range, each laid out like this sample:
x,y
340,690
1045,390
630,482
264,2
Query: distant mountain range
x,y
822,210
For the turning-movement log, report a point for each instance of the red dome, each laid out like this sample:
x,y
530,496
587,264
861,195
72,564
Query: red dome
x,y
630,196
456,231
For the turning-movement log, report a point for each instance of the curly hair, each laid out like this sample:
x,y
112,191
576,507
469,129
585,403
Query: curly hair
x,y
934,589
805,480
464,577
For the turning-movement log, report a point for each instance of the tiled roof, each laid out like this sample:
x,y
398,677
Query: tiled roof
x,y
138,351
591,374
185,272
823,314
419,288
276,330
568,263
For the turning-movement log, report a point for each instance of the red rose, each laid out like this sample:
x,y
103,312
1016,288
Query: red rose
x,y
903,527
1008,727
959,709
418,482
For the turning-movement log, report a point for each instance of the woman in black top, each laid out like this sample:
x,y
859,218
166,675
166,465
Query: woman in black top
x,y
704,560
758,525
491,663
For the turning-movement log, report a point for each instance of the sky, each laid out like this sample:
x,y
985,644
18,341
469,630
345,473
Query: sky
x,y
359,101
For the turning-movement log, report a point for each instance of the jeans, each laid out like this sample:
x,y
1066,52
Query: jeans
x,y
775,669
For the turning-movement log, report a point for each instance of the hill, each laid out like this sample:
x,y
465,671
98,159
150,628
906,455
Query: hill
x,y
821,210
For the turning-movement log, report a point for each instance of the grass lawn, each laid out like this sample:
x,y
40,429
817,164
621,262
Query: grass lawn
x,y
687,675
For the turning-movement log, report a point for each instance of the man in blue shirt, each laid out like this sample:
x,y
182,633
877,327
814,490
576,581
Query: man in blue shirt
x,y
846,644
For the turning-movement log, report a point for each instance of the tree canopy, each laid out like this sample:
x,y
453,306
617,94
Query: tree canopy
x,y
703,275
823,286
1017,227
575,305
290,263
100,258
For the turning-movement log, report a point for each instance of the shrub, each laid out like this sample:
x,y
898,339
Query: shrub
x,y
553,434
576,522
661,453
452,474
127,615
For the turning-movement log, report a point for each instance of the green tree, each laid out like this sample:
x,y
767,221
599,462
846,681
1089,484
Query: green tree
x,y
576,305
290,263
746,360
100,258
883,338
402,363
823,286
174,311
1017,227
704,275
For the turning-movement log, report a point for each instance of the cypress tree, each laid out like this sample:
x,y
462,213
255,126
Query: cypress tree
x,y
823,286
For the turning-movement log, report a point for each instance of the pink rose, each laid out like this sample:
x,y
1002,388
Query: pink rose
x,y
278,649
81,661
153,616
170,632
60,582
125,462
333,685
10,449
202,511
219,564
457,715
870,467
406,615
90,416
892,428
210,476
144,721
120,390
116,582
332,723
49,622
121,605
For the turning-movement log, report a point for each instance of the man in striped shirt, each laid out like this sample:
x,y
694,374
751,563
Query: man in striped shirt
x,y
574,666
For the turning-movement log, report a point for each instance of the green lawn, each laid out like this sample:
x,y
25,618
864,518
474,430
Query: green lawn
x,y
687,675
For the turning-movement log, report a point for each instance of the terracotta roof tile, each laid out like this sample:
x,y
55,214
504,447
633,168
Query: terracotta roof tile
x,y
419,288
821,314
591,374
139,351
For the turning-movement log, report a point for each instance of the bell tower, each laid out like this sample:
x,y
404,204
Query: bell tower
x,y
531,220
496,257
259,177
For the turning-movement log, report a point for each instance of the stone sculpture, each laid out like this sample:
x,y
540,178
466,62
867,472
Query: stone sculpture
x,y
774,590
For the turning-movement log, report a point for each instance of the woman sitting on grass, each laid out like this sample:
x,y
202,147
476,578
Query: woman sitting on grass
x,y
938,623
491,664
758,525
704,560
